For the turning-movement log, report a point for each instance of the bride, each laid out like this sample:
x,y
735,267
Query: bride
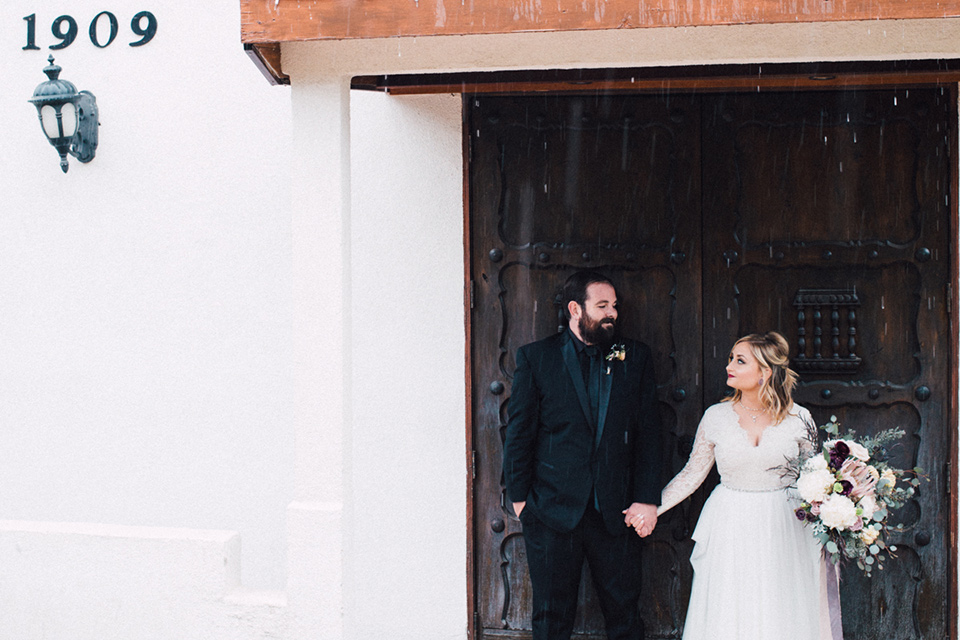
x,y
758,572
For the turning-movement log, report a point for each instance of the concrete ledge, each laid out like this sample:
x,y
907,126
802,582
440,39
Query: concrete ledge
x,y
82,581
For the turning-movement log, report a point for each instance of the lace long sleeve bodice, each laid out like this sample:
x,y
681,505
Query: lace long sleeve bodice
x,y
742,466
693,473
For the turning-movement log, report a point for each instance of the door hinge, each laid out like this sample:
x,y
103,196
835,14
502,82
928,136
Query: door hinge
x,y
473,465
472,290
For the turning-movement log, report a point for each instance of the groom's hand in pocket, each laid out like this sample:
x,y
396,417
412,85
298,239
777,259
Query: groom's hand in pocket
x,y
642,517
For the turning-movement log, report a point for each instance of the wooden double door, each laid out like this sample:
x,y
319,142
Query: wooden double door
x,y
823,215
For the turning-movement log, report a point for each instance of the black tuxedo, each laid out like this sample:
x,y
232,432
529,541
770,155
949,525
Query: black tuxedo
x,y
577,469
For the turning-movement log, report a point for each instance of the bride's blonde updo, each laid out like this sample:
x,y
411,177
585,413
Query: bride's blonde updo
x,y
772,352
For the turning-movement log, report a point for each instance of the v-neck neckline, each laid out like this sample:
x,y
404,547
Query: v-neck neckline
x,y
746,434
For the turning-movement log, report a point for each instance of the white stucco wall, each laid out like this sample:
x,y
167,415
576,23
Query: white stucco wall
x,y
246,315
405,572
145,296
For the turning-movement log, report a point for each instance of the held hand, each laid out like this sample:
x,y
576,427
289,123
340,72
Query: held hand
x,y
518,507
642,517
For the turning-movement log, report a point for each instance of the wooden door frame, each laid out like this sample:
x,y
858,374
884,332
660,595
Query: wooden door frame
x,y
468,372
952,302
718,79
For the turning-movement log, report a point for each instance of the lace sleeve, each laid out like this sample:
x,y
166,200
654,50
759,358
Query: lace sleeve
x,y
693,473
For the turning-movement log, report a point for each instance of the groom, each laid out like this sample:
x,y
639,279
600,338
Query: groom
x,y
581,459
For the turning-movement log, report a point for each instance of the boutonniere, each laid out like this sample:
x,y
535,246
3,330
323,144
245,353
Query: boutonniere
x,y
617,352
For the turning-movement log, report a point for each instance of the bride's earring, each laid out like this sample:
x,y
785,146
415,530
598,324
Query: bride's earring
x,y
761,382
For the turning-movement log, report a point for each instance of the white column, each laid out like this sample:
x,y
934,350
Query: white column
x,y
321,287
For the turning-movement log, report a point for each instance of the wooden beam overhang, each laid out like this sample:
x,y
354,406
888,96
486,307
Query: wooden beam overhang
x,y
273,21
703,79
267,23
267,58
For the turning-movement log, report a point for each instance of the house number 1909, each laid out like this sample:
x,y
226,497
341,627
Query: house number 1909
x,y
65,29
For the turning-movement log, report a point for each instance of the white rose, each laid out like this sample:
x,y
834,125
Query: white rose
x,y
816,463
868,506
857,450
838,512
813,485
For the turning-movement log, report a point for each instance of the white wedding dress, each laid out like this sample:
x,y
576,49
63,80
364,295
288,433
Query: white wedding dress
x,y
757,569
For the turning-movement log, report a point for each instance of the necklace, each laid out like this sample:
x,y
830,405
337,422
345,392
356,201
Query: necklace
x,y
753,412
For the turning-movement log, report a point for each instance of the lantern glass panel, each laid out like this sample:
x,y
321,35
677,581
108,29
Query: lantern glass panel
x,y
48,118
70,119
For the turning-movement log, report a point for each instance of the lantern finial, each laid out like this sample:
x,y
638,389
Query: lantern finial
x,y
52,70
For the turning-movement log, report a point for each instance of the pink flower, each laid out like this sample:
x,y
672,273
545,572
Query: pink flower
x,y
858,474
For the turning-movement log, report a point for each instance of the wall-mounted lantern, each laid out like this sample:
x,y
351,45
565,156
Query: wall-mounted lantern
x,y
69,117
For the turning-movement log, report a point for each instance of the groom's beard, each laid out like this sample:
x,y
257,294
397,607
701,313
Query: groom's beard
x,y
598,332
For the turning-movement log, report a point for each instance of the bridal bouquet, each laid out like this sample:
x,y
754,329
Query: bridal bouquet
x,y
848,491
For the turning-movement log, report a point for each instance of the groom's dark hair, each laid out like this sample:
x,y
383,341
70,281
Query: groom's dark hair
x,y
575,288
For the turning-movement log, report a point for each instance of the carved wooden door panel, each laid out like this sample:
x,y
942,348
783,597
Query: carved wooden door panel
x,y
826,217
559,183
823,215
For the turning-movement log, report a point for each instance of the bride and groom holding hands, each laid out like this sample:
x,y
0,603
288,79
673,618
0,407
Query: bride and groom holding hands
x,y
582,467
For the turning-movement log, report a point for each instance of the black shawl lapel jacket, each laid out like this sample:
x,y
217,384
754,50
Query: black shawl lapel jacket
x,y
554,455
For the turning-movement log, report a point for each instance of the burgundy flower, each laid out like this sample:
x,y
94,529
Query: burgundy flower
x,y
811,517
839,453
847,487
801,514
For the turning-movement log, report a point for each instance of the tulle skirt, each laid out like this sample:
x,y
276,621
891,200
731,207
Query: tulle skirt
x,y
757,571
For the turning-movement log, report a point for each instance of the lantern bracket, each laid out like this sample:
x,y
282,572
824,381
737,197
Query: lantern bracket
x,y
84,146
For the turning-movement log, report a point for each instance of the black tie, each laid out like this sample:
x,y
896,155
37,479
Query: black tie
x,y
593,390
593,383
